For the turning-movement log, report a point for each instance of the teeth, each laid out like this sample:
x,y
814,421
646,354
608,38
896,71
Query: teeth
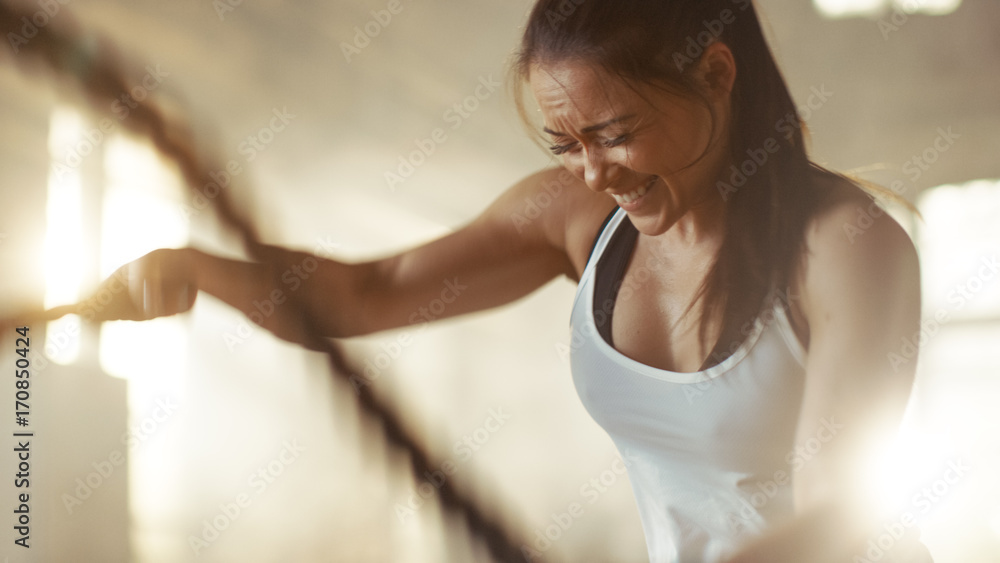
x,y
632,196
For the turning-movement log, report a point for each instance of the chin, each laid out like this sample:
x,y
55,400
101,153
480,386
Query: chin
x,y
650,225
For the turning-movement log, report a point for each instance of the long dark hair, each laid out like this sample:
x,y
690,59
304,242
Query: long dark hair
x,y
658,42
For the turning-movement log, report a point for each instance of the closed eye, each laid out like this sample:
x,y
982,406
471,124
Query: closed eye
x,y
558,149
562,149
620,140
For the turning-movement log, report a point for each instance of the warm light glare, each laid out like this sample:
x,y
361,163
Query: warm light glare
x,y
957,241
140,214
152,351
63,251
846,8
901,468
852,8
141,205
931,7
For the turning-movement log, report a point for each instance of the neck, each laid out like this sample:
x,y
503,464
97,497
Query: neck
x,y
703,223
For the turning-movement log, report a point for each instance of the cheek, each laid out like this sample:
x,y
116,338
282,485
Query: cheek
x,y
574,164
682,147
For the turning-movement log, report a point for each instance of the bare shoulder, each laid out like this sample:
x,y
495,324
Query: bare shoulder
x,y
554,206
856,253
851,225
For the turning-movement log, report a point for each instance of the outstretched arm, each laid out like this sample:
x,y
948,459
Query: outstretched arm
x,y
489,262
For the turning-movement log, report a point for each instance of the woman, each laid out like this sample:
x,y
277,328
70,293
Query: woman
x,y
744,377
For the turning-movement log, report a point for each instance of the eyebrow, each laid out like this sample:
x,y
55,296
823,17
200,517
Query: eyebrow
x,y
592,128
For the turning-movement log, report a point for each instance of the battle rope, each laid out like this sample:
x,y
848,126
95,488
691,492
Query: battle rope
x,y
91,62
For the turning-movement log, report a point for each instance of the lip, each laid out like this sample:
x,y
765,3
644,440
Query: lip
x,y
638,202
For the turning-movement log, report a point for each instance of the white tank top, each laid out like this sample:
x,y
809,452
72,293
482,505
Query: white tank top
x,y
707,452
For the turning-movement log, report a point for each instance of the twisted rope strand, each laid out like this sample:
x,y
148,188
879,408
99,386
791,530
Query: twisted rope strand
x,y
92,63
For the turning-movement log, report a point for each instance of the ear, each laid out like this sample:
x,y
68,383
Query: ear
x,y
716,71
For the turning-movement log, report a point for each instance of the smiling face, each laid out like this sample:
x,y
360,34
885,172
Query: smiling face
x,y
655,153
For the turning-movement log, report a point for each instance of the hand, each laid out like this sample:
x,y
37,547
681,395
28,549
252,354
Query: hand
x,y
160,284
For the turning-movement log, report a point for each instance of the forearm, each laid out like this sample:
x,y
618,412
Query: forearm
x,y
279,291
831,534
817,536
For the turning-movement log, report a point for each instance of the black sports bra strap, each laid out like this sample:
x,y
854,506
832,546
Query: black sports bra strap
x,y
600,231
608,275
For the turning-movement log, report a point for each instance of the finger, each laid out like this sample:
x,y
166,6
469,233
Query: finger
x,y
154,291
185,300
136,289
182,298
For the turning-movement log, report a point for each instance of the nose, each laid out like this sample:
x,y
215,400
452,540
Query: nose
x,y
596,170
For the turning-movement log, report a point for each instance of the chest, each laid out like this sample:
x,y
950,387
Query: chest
x,y
663,400
656,314
648,290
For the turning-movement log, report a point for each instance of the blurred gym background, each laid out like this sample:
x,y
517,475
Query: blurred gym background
x,y
357,128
